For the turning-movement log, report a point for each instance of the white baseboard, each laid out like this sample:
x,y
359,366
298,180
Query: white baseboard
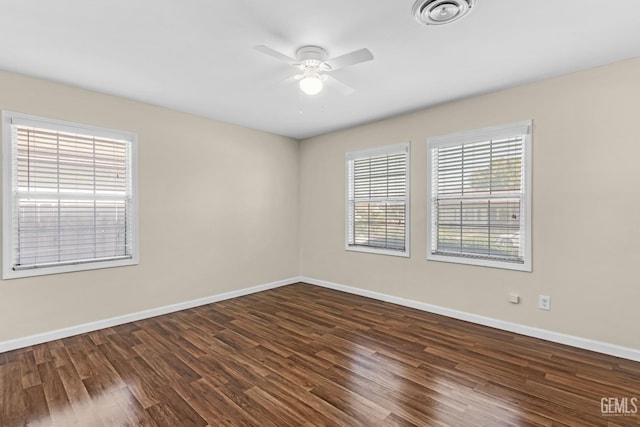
x,y
119,320
587,344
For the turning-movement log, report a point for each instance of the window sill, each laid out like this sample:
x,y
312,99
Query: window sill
x,y
526,266
369,250
9,273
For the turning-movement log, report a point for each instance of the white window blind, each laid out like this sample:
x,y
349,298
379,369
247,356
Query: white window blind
x,y
377,200
71,197
479,206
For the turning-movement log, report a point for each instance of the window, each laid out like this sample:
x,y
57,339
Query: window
x,y
378,199
479,196
69,197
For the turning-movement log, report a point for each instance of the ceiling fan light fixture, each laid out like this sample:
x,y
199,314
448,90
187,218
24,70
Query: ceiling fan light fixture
x,y
313,62
439,12
311,85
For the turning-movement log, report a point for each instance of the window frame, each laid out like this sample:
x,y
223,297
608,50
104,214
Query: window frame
x,y
10,118
521,128
403,147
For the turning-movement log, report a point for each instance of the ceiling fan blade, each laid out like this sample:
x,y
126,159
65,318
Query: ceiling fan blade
x,y
269,83
339,86
348,59
275,54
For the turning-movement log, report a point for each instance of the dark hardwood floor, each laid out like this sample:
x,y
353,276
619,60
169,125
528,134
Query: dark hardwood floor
x,y
301,355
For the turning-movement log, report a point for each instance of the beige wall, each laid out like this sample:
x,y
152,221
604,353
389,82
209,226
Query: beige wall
x,y
239,195
586,208
218,212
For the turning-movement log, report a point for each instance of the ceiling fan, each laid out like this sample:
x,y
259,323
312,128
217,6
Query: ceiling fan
x,y
314,65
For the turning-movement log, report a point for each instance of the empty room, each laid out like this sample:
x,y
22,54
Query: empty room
x,y
337,213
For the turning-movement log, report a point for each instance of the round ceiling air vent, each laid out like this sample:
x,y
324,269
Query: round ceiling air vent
x,y
438,12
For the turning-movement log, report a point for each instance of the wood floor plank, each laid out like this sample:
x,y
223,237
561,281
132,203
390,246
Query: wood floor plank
x,y
300,355
217,408
336,416
55,394
13,408
29,370
37,411
173,410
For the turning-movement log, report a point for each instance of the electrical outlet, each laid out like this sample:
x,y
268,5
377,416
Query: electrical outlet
x,y
514,298
544,302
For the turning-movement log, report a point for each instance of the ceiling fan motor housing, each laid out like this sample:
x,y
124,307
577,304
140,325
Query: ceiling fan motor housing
x,y
439,12
311,56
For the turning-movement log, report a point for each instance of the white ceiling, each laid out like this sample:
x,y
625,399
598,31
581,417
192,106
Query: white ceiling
x,y
196,55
